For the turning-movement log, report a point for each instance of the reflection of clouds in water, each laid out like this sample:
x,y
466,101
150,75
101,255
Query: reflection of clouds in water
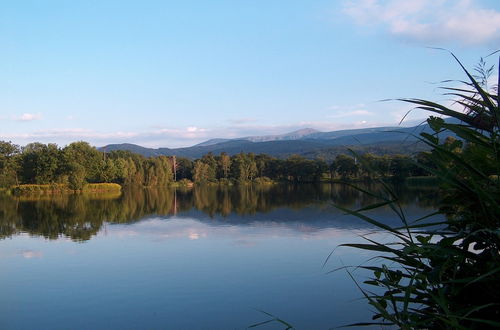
x,y
29,254
194,236
26,254
160,229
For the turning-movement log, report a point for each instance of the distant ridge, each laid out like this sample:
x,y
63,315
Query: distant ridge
x,y
295,135
211,142
307,142
147,152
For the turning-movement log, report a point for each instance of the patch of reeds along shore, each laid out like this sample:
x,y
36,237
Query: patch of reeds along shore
x,y
62,188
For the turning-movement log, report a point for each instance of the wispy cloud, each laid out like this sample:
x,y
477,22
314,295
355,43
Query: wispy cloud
x,y
352,113
158,137
173,137
187,133
28,117
71,133
429,21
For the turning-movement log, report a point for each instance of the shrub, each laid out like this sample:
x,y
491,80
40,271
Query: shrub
x,y
59,188
97,187
263,180
185,183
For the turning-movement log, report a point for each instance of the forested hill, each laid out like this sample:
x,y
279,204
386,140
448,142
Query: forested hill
x,y
307,143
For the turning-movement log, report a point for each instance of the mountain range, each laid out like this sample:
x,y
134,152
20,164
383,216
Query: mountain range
x,y
308,142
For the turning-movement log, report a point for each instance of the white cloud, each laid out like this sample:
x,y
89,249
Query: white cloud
x,y
158,137
352,113
173,137
347,117
28,117
68,135
429,21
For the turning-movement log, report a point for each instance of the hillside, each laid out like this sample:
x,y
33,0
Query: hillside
x,y
309,143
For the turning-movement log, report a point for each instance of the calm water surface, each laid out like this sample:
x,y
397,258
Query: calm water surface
x,y
201,258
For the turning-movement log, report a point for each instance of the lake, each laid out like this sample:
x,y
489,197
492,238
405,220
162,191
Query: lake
x,y
200,258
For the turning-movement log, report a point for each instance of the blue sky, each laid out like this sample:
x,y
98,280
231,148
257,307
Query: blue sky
x,y
175,73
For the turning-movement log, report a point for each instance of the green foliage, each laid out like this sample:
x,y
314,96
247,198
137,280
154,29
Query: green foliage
x,y
203,172
185,182
76,179
446,276
61,188
101,187
9,164
40,163
184,168
263,180
79,163
87,156
244,167
27,189
225,164
346,166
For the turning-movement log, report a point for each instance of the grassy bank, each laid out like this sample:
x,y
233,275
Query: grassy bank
x,y
229,182
181,183
59,188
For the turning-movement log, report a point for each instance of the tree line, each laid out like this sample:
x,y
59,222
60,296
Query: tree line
x,y
79,163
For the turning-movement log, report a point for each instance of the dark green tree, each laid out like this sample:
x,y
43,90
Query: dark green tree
x,y
9,164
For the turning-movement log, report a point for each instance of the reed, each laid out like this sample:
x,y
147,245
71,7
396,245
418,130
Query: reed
x,y
444,275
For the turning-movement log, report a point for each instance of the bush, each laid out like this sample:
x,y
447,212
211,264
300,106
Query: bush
x,y
225,182
263,180
53,188
59,188
76,179
98,187
185,183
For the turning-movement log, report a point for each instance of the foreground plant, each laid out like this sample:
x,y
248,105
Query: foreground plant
x,y
446,275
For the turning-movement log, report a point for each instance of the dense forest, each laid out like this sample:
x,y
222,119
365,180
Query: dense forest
x,y
79,163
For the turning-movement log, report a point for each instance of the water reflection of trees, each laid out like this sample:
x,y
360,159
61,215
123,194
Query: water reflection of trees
x,y
80,217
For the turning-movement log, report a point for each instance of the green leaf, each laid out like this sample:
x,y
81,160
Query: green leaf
x,y
435,123
423,239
